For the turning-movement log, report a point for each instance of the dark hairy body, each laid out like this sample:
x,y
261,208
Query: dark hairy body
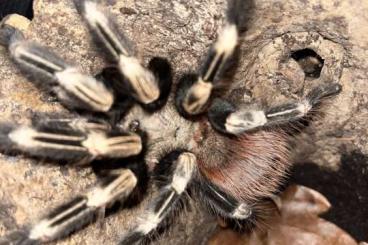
x,y
251,167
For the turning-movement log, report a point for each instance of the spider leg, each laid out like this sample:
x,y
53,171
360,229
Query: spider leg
x,y
226,118
69,139
238,214
183,166
73,88
194,90
162,70
223,203
62,121
78,212
145,85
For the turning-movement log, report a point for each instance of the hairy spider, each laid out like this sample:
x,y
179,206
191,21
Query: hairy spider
x,y
233,162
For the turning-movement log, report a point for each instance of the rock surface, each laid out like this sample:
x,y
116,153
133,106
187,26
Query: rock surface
x,y
337,30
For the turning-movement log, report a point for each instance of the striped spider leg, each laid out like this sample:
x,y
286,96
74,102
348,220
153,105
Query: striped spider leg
x,y
230,119
75,140
194,93
149,86
77,212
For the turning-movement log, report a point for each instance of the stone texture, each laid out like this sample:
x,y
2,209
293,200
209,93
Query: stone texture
x,y
181,31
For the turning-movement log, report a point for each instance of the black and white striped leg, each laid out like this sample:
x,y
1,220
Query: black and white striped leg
x,y
229,119
182,165
162,70
58,121
78,140
222,203
78,212
141,82
194,91
239,215
73,88
226,118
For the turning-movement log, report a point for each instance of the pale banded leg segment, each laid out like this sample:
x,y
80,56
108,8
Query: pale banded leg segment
x,y
64,140
194,91
183,168
162,70
73,88
141,82
60,122
78,212
226,118
222,203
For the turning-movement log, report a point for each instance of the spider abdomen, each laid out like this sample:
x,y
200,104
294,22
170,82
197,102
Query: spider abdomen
x,y
251,167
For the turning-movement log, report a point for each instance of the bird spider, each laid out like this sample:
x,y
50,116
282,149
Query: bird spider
x,y
231,156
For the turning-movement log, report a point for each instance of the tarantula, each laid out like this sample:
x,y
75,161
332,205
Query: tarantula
x,y
234,161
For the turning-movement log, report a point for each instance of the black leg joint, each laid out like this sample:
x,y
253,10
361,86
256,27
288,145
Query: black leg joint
x,y
162,70
184,84
317,94
218,113
163,171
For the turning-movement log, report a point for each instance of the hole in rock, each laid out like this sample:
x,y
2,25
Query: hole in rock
x,y
309,61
